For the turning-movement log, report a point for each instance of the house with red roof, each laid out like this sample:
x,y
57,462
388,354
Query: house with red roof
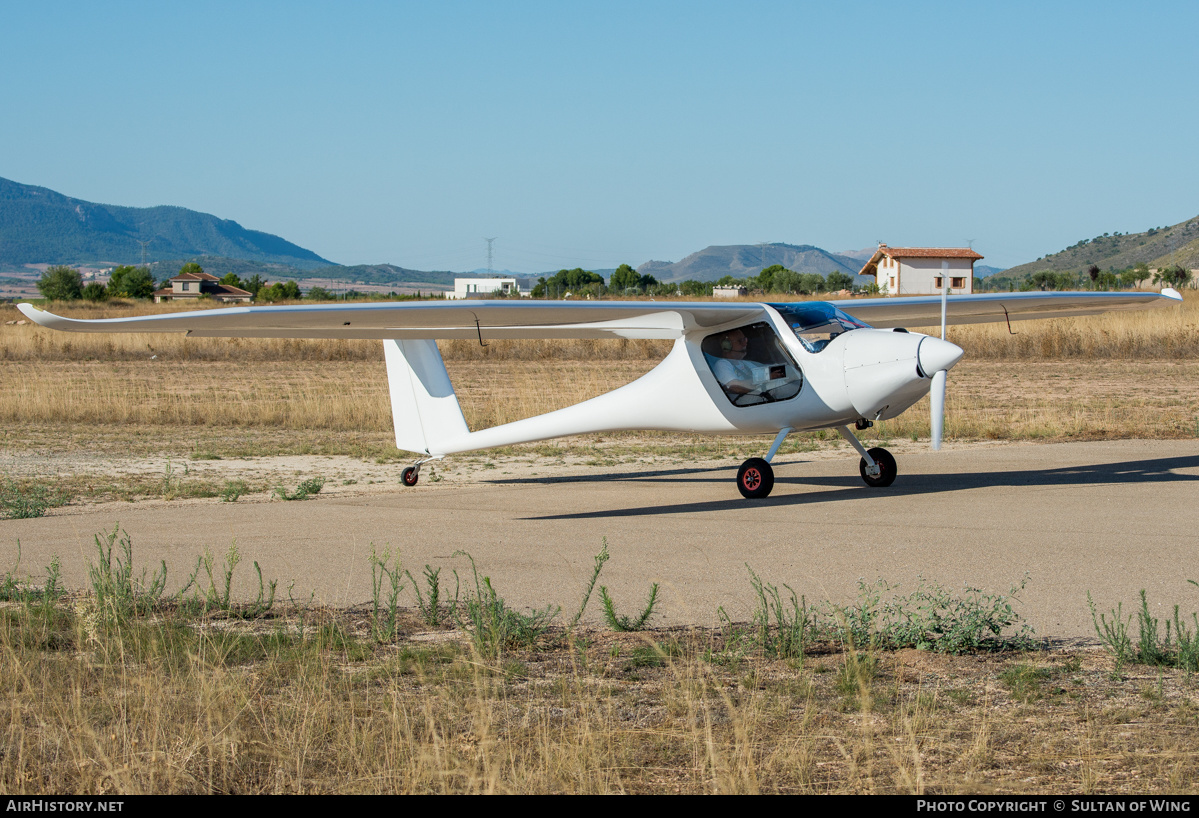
x,y
194,285
922,270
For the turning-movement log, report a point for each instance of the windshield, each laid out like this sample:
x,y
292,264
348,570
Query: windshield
x,y
815,323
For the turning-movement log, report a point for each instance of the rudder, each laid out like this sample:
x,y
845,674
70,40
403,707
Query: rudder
x,y
424,408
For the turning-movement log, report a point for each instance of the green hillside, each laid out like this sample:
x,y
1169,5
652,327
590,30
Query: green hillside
x,y
38,225
1157,247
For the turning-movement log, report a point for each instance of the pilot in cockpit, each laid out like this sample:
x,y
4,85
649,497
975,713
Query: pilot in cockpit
x,y
734,372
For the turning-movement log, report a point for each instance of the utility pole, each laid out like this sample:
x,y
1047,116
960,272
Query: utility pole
x,y
144,245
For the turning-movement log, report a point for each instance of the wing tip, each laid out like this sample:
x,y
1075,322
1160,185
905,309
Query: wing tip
x,y
32,313
1172,294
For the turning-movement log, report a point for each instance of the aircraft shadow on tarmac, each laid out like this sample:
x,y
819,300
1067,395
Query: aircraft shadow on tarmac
x,y
849,487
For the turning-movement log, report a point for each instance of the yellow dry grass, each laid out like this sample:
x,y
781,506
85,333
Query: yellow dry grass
x,y
1126,375
170,707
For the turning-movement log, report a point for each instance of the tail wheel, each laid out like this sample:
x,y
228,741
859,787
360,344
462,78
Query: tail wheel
x,y
410,476
755,478
887,469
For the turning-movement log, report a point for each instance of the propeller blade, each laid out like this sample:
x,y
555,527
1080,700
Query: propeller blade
x,y
937,402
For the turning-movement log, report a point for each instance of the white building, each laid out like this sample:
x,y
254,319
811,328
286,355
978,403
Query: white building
x,y
484,287
729,292
922,270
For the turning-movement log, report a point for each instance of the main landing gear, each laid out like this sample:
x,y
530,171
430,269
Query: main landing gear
x,y
755,478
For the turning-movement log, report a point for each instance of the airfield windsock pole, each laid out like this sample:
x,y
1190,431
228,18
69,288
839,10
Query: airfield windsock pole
x,y
937,395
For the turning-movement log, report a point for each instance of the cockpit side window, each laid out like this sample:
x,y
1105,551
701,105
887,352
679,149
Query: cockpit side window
x,y
752,365
816,323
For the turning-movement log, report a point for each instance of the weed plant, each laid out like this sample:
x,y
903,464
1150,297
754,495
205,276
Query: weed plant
x,y
624,623
25,502
934,618
493,626
218,595
233,490
387,582
787,637
118,593
429,606
15,589
306,489
600,558
1178,647
930,618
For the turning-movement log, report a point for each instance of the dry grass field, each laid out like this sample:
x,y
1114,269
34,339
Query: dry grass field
x,y
98,698
1131,375
310,703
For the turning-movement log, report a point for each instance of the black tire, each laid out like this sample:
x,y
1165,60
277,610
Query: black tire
x,y
755,478
410,476
886,462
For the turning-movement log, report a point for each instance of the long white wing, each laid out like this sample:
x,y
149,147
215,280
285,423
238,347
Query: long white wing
x,y
488,320
925,310
485,320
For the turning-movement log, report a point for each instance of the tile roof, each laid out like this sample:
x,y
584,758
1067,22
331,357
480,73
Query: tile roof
x,y
195,277
929,252
871,266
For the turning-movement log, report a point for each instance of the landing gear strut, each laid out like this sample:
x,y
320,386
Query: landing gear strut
x,y
877,465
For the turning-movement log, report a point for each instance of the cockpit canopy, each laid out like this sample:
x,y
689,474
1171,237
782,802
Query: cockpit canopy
x,y
815,323
752,366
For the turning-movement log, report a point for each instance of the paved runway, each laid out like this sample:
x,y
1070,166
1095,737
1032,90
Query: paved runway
x,y
1108,517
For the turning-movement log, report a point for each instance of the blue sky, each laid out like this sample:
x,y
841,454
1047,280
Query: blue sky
x,y
591,134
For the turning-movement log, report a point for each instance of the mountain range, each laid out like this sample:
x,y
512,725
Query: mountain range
x,y
41,226
38,225
747,260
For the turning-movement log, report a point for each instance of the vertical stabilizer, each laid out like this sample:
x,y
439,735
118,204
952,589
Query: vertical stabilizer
x,y
424,407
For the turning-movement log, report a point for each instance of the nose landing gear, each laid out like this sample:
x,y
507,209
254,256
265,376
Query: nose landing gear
x,y
877,465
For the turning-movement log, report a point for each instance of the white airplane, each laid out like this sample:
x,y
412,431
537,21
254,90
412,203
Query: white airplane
x,y
736,368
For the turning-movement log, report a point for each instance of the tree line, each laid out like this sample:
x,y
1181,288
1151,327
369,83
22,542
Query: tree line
x,y
62,283
580,283
1092,278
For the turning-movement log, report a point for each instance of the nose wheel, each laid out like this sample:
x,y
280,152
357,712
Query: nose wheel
x,y
884,472
877,465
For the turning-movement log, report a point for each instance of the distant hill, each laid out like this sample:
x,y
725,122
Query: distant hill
x,y
1156,247
983,270
747,260
38,225
386,274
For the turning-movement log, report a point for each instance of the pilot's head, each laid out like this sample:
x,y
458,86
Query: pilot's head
x,y
734,344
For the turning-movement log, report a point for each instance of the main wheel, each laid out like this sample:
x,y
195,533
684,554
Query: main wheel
x,y
755,478
410,476
887,469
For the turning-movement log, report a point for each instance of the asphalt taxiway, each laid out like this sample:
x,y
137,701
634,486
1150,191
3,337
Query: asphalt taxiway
x,y
1110,518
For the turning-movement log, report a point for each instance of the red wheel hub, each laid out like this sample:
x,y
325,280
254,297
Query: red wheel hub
x,y
751,479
